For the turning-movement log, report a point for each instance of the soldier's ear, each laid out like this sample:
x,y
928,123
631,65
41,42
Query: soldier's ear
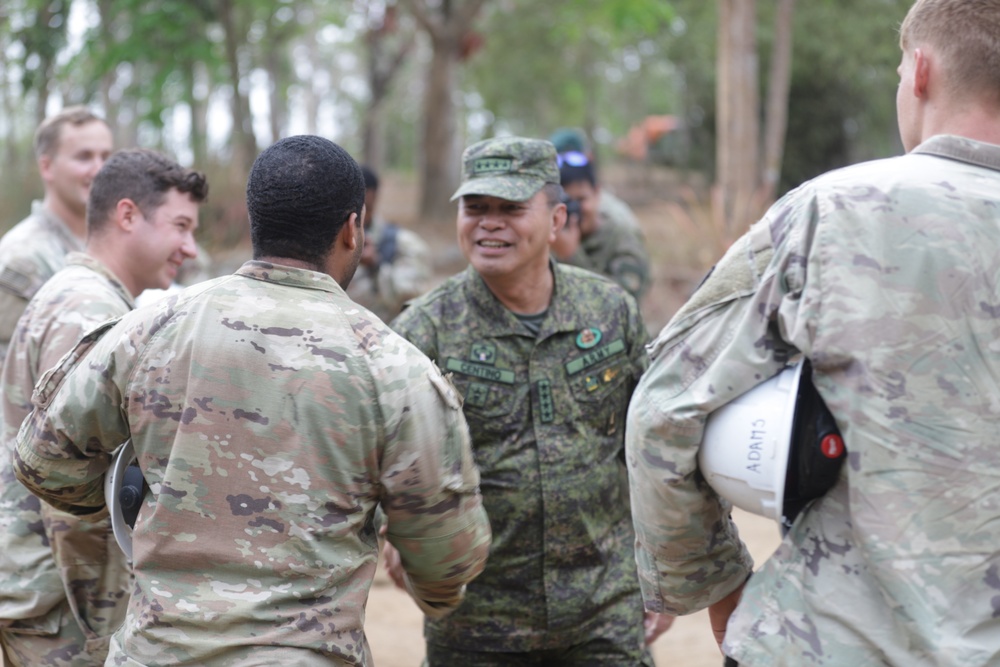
x,y
351,234
558,220
126,214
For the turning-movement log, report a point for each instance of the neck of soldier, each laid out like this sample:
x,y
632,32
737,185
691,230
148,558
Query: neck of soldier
x,y
523,292
75,220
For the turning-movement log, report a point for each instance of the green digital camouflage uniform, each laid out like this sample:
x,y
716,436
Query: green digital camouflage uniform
x,y
884,275
270,416
546,416
617,248
64,583
30,253
397,279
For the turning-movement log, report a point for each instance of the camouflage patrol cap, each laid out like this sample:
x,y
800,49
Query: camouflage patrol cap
x,y
513,168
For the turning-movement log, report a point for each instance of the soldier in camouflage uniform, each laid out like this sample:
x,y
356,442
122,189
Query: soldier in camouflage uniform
x,y
612,243
270,415
546,357
885,276
395,264
70,148
64,583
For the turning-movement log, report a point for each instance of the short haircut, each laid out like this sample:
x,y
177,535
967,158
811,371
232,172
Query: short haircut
x,y
301,191
569,174
49,132
371,178
967,35
553,194
145,177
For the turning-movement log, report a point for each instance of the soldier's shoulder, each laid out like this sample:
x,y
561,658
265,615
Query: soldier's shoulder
x,y
452,288
589,287
27,237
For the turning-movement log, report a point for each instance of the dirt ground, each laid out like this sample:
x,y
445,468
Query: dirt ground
x,y
683,241
394,625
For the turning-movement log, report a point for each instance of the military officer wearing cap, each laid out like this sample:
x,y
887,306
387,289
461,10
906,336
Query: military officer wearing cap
x,y
546,357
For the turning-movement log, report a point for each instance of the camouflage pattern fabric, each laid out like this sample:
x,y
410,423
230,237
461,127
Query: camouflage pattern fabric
x,y
64,582
270,416
30,253
512,168
384,290
617,248
546,416
885,276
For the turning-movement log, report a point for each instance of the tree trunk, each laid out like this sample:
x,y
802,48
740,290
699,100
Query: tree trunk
x,y
440,156
738,126
776,118
198,109
243,142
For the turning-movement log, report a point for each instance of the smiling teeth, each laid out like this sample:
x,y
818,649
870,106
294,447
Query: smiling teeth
x,y
493,244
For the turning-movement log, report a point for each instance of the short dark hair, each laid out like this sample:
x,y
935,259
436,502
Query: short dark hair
x,y
145,177
49,131
371,178
569,174
300,192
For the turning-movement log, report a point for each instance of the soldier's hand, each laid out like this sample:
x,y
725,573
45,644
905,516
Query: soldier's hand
x,y
393,565
719,613
655,625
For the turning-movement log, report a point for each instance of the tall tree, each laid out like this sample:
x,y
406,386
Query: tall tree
x,y
776,110
737,109
244,143
448,24
388,44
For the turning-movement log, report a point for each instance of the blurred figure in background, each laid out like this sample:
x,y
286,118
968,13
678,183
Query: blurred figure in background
x,y
395,265
70,148
611,240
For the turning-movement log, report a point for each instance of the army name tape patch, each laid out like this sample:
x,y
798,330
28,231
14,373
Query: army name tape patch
x,y
481,371
595,356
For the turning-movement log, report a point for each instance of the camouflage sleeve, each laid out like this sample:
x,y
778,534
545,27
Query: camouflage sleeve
x,y
408,276
12,307
64,447
723,342
464,552
433,508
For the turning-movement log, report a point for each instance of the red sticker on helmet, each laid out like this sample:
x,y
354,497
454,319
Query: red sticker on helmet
x,y
832,446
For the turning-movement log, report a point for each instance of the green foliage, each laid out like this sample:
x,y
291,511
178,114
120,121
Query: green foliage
x,y
571,63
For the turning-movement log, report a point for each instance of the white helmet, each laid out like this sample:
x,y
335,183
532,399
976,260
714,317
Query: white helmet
x,y
775,448
124,488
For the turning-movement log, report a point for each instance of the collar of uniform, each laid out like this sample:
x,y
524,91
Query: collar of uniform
x,y
289,275
962,149
57,225
561,313
85,260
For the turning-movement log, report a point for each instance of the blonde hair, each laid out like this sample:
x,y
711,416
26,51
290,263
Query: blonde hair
x,y
966,35
49,132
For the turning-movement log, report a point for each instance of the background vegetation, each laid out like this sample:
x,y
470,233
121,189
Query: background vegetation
x,y
404,84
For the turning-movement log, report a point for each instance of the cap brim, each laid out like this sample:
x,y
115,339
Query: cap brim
x,y
504,187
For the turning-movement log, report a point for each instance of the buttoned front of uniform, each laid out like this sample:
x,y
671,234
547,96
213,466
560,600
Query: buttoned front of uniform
x,y
546,415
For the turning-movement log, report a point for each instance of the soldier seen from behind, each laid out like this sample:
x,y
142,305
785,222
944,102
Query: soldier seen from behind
x,y
270,418
885,276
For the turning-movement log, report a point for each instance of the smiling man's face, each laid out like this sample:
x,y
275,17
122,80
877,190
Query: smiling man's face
x,y
501,237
